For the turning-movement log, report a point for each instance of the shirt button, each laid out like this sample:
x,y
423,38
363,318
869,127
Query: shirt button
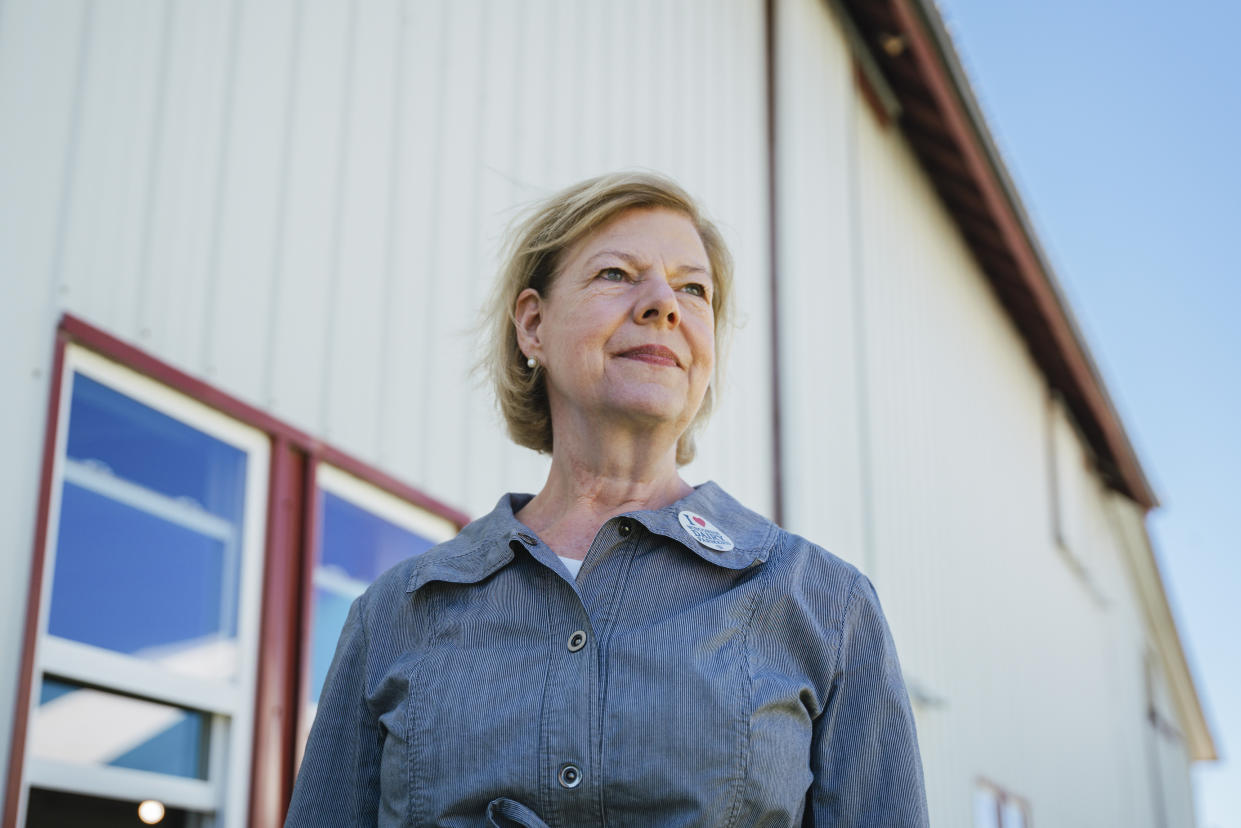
x,y
526,537
570,775
625,527
577,641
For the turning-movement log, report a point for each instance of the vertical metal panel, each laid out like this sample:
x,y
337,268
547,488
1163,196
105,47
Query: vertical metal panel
x,y
722,160
43,54
181,208
236,329
310,207
442,366
102,246
352,336
409,343
823,475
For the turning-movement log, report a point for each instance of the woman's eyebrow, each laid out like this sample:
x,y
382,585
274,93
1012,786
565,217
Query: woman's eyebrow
x,y
628,258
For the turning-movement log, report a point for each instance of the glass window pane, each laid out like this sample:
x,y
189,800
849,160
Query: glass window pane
x,y
149,536
1014,814
986,808
142,445
359,543
355,547
85,726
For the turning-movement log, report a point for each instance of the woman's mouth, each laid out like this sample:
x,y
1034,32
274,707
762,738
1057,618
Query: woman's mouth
x,y
652,354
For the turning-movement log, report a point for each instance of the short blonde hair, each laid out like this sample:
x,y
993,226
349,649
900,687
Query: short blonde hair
x,y
536,242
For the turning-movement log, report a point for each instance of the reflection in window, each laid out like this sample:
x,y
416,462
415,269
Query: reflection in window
x,y
158,452
356,545
85,726
149,538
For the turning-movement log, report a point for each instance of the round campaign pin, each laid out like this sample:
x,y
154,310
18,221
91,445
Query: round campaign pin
x,y
705,532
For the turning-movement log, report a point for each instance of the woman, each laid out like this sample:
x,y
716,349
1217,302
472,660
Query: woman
x,y
620,648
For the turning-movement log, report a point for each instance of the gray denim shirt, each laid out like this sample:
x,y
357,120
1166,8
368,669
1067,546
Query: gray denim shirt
x,y
705,668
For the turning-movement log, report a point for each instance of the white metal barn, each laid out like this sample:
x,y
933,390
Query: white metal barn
x,y
242,245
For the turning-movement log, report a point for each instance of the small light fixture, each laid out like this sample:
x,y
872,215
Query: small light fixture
x,y
892,44
151,811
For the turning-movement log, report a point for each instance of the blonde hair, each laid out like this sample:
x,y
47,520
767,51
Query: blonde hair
x,y
535,245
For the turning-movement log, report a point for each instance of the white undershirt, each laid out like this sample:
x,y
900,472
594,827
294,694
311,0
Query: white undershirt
x,y
571,564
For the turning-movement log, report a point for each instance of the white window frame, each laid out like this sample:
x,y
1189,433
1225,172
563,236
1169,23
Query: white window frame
x,y
223,798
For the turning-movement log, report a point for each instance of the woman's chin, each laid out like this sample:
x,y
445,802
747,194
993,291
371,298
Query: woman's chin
x,y
656,412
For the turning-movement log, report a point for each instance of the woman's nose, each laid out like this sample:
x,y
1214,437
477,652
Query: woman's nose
x,y
658,302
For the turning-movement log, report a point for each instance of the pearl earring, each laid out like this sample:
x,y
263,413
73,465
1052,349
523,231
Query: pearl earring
x,y
531,362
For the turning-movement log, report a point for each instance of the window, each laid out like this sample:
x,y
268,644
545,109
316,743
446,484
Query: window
x,y
360,531
144,666
996,808
196,562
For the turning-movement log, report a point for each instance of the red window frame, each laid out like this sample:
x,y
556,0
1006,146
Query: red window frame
x,y
290,554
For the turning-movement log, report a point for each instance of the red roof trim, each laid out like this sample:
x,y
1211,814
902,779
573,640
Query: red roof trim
x,y
952,144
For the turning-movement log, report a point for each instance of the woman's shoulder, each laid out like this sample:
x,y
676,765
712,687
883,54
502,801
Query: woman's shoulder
x,y
796,572
463,557
790,556
400,580
810,563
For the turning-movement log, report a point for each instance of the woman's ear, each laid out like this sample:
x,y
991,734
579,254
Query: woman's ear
x,y
527,317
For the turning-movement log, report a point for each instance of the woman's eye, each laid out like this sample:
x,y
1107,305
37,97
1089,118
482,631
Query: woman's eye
x,y
696,289
613,274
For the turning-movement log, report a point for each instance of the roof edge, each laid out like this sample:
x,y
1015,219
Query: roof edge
x,y
1166,635
927,75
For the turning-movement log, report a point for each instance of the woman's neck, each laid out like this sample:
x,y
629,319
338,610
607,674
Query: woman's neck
x,y
587,485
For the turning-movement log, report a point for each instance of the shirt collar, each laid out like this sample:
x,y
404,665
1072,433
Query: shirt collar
x,y
485,545
751,534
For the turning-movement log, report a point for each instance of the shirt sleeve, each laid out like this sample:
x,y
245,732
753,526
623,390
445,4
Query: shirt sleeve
x,y
338,783
864,751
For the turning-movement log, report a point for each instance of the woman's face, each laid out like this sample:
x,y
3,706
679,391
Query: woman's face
x,y
626,332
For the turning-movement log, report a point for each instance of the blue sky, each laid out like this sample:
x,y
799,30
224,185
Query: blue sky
x,y
1120,123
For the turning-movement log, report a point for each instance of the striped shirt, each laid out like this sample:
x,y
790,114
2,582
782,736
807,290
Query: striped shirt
x,y
705,668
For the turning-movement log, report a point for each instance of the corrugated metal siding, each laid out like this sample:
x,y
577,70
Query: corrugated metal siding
x,y
917,426
824,494
300,201
40,75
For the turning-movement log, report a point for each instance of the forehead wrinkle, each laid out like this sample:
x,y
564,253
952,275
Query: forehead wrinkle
x,y
624,256
639,264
